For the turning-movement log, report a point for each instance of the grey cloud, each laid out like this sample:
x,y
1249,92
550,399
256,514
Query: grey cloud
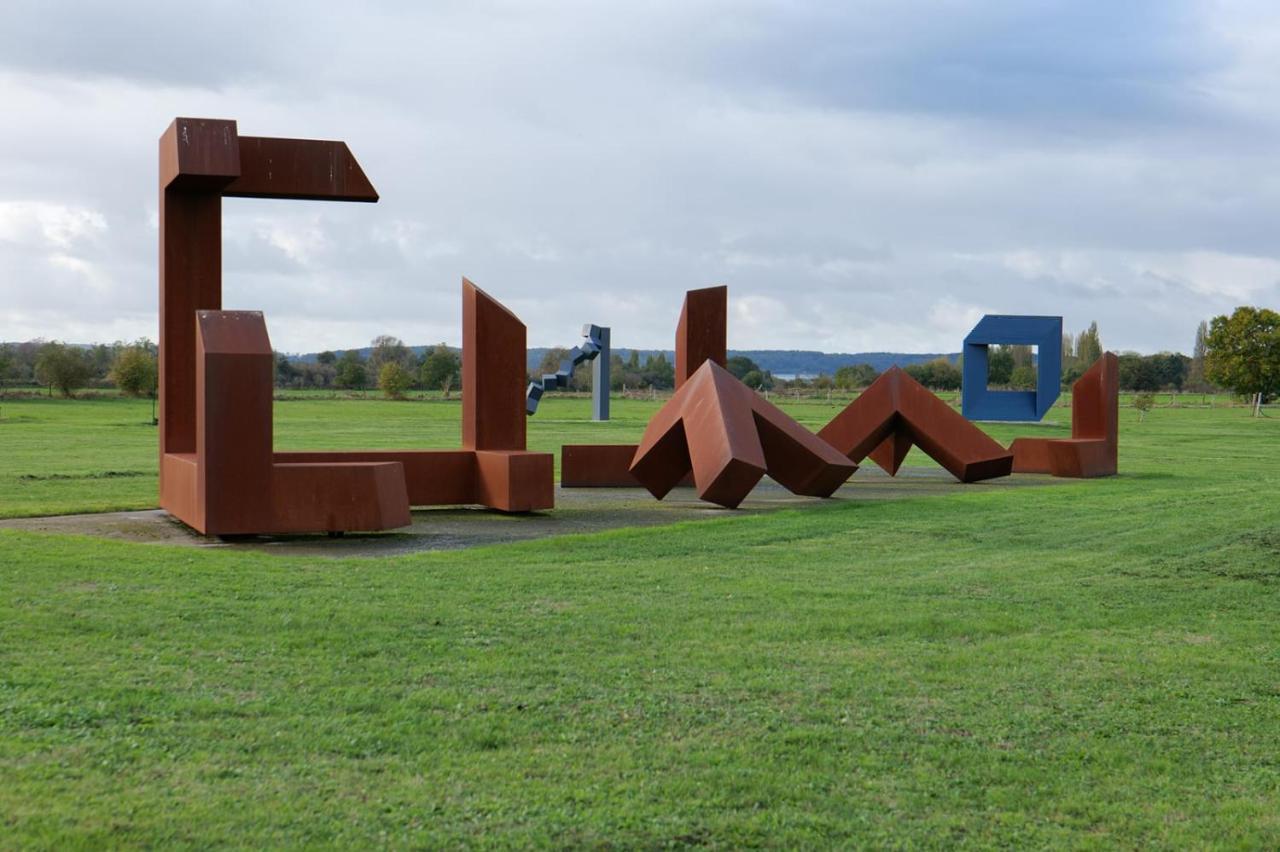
x,y
861,177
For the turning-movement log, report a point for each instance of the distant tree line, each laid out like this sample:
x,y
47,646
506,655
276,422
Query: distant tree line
x,y
65,369
391,367
1239,353
1014,367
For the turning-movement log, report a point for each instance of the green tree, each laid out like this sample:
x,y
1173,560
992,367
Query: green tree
x,y
1243,353
854,376
351,373
327,358
285,371
441,368
135,371
938,374
62,367
394,379
6,362
1023,355
758,380
740,365
1144,402
551,359
1196,380
999,366
387,350
658,372
1023,377
1088,346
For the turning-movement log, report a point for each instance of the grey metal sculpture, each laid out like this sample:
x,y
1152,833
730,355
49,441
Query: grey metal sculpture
x,y
595,349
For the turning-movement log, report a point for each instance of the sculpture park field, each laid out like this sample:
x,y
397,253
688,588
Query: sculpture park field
x,y
1089,664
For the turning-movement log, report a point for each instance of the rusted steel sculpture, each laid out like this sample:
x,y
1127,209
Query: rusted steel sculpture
x,y
702,331
896,412
701,334
218,470
729,437
1093,448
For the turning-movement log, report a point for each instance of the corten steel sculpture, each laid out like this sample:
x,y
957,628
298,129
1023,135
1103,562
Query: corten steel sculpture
x,y
895,412
218,471
978,402
1093,448
700,336
728,437
596,350
702,331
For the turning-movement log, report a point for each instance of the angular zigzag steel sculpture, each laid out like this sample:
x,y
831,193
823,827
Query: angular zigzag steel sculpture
x,y
1093,448
728,437
895,412
218,471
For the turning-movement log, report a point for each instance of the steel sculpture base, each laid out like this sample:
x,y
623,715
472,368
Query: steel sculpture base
x,y
1093,448
896,412
601,466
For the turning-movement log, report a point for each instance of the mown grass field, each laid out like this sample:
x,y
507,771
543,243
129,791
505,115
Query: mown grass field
x,y
1092,665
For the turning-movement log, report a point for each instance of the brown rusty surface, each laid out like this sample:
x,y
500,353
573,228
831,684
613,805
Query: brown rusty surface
x,y
597,466
432,477
335,497
199,154
493,373
302,169
235,369
218,472
515,480
601,466
1093,448
702,330
898,407
729,437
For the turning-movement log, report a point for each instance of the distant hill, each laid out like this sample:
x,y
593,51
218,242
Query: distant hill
x,y
780,362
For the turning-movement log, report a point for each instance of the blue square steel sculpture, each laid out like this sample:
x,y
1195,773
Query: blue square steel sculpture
x,y
980,403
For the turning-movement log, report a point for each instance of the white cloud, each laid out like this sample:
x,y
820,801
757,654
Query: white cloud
x,y
49,225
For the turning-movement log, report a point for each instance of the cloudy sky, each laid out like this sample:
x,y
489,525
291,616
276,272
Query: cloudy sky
x,y
863,175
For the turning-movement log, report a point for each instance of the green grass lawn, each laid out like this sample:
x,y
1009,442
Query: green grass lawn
x,y
1091,665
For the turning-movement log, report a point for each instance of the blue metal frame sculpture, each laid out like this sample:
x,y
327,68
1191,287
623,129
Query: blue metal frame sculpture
x,y
595,349
978,401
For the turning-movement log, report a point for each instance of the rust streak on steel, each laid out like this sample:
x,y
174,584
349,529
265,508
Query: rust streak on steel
x,y
1093,448
895,412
